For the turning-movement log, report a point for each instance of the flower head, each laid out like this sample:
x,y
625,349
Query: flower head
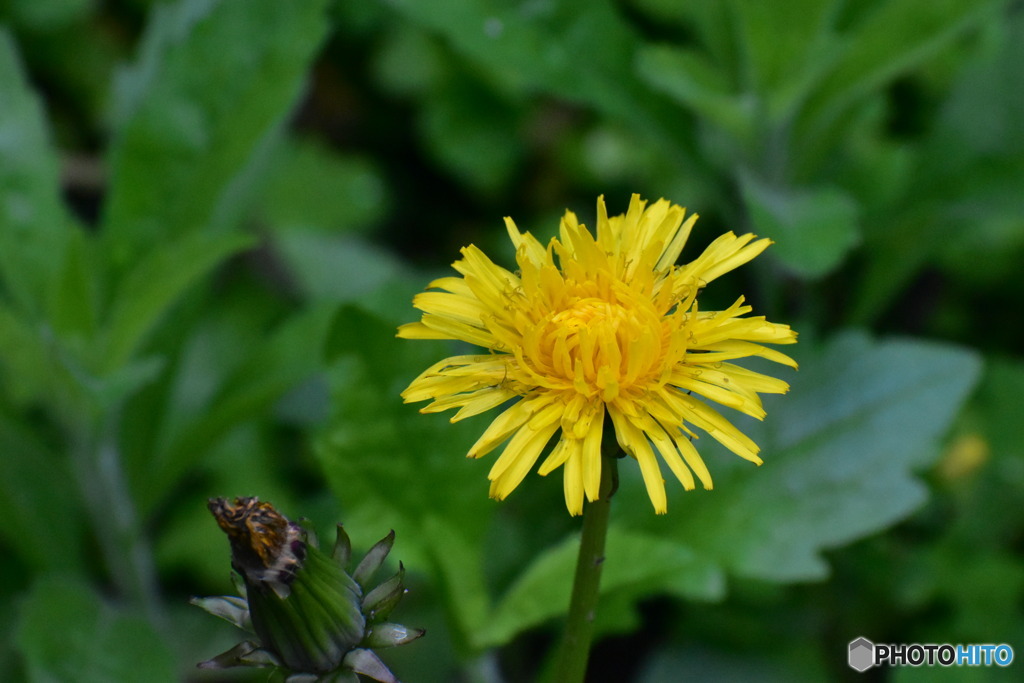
x,y
600,326
312,619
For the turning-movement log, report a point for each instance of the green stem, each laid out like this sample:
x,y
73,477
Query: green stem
x,y
579,629
126,551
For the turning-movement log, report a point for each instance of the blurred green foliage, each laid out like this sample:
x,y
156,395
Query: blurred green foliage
x,y
213,214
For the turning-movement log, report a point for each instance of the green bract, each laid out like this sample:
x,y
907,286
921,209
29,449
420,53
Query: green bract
x,y
311,618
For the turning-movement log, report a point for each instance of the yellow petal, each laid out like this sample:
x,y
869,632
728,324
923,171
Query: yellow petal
x,y
559,454
668,450
591,453
720,429
520,455
462,308
572,483
693,460
745,348
419,331
543,421
482,401
454,329
675,247
739,255
455,285
502,427
717,394
532,250
756,381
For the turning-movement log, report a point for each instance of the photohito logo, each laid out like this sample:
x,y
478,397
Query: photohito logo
x,y
863,654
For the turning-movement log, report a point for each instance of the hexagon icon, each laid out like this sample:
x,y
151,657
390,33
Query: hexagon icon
x,y
862,654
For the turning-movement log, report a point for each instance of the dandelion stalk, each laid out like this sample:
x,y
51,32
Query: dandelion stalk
x,y
579,629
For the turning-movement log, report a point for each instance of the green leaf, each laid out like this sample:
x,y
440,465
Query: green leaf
x,y
336,268
60,373
66,632
408,62
786,662
777,36
967,202
314,188
290,354
691,80
455,553
527,48
983,469
786,47
465,117
636,562
966,133
840,451
713,22
896,256
27,365
109,389
813,229
74,306
888,39
995,406
214,77
155,282
972,162
39,505
980,588
33,223
48,15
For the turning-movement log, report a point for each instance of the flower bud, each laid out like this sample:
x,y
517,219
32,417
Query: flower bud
x,y
311,618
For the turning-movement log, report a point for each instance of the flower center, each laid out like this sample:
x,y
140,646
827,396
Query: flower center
x,y
591,313
597,347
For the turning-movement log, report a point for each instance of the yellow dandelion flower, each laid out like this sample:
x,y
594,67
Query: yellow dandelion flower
x,y
590,327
